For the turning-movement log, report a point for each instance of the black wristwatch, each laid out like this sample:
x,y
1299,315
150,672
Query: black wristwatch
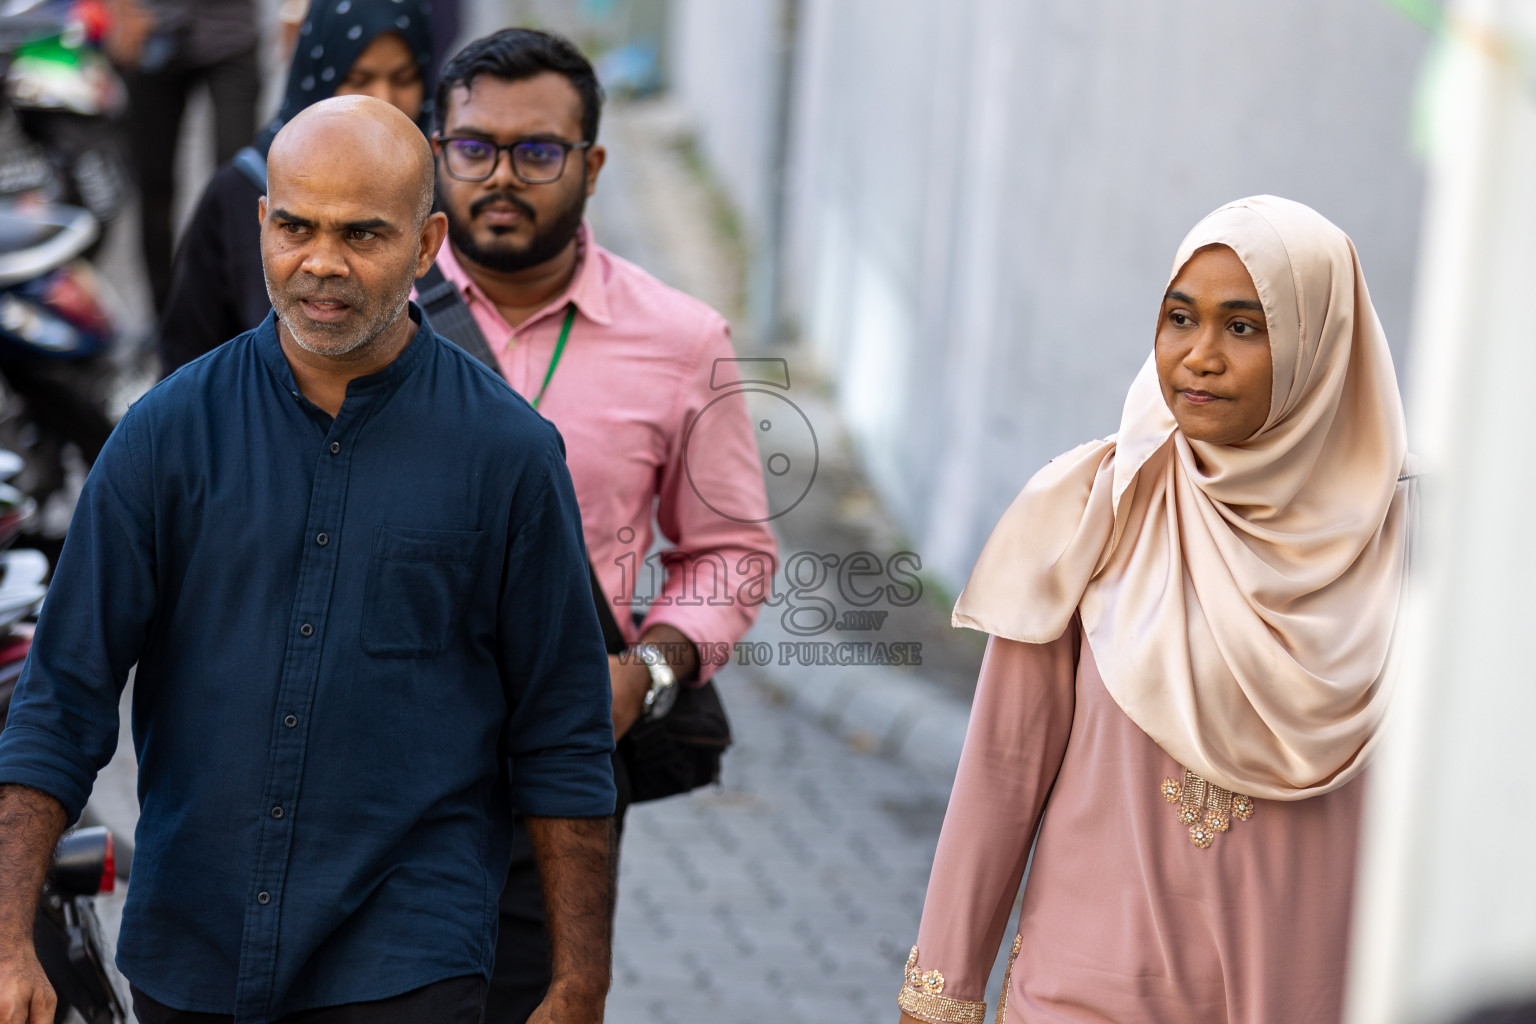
x,y
663,692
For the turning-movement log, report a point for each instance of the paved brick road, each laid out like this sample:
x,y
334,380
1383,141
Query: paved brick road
x,y
793,892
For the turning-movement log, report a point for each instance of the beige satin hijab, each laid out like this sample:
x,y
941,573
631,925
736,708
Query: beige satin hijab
x,y
1240,600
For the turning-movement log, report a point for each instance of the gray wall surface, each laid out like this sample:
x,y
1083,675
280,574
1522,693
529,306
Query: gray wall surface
x,y
984,198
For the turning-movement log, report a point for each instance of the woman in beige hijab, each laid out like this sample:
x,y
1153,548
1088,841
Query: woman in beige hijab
x,y
1190,628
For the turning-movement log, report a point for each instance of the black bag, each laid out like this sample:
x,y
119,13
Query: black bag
x,y
678,753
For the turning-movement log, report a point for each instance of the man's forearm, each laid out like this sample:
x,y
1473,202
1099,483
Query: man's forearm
x,y
577,864
30,825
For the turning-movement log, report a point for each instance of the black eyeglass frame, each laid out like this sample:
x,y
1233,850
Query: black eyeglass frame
x,y
565,155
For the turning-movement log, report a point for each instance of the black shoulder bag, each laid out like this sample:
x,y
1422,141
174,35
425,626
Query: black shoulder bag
x,y
661,758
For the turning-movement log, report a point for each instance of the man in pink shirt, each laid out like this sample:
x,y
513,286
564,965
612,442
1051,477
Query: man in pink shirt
x,y
623,365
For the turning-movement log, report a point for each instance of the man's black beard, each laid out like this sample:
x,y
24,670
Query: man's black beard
x,y
546,245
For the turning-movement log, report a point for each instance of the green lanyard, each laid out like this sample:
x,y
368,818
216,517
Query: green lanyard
x,y
554,360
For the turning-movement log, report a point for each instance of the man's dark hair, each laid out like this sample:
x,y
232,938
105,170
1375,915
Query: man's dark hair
x,y
517,53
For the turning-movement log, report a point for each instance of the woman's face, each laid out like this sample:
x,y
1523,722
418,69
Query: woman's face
x,y
387,70
1213,359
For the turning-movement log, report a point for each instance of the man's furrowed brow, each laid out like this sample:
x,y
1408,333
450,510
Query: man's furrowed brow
x,y
291,218
374,224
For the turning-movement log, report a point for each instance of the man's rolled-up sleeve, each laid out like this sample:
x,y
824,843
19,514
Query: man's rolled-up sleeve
x,y
63,722
559,732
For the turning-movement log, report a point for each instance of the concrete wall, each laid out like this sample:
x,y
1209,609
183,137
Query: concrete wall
x,y
722,66
984,198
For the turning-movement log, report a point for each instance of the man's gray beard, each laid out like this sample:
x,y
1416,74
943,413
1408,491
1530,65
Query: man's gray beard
x,y
367,336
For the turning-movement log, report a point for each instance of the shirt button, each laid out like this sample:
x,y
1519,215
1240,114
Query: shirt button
x,y
306,630
277,812
335,447
322,539
291,721
263,898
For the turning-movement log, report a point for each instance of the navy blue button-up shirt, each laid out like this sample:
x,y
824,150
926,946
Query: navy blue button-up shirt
x,y
361,643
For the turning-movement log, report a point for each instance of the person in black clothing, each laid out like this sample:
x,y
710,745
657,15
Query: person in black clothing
x,y
380,48
166,49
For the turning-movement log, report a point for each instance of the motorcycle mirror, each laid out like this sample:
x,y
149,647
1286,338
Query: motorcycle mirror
x,y
84,863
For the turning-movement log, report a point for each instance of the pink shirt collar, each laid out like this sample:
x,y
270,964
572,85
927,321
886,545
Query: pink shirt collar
x,y
588,289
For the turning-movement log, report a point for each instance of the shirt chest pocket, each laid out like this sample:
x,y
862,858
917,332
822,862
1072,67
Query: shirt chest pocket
x,y
419,582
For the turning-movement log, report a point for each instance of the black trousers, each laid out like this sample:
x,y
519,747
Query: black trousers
x,y
522,972
156,102
455,1001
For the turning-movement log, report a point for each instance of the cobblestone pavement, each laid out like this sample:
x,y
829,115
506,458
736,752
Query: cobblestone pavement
x,y
793,891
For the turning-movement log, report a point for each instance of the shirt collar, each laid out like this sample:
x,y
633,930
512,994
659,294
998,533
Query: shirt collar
x,y
387,379
587,290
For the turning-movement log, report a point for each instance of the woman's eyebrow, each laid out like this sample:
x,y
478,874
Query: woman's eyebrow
x,y
1178,296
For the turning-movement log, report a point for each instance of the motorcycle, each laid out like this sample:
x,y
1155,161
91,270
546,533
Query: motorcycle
x,y
21,581
67,933
58,374
64,104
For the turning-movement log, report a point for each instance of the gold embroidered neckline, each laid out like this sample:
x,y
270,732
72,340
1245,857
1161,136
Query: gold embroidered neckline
x,y
1205,807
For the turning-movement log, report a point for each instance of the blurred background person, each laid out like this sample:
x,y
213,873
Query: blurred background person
x,y
166,49
379,48
445,26
445,29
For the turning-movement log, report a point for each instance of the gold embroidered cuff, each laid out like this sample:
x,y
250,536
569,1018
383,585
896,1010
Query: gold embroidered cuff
x,y
922,996
941,1009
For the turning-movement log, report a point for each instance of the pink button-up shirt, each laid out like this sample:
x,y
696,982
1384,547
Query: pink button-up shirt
x,y
636,372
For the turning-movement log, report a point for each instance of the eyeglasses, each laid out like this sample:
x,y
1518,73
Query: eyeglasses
x,y
534,161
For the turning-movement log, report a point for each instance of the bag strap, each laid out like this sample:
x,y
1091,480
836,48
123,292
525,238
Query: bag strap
x,y
439,298
253,165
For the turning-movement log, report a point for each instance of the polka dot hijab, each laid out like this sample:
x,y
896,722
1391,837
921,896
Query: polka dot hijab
x,y
334,34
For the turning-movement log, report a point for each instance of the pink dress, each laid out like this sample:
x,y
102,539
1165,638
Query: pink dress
x,y
1125,920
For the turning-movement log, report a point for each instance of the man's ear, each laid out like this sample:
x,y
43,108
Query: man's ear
x,y
261,210
433,230
596,156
